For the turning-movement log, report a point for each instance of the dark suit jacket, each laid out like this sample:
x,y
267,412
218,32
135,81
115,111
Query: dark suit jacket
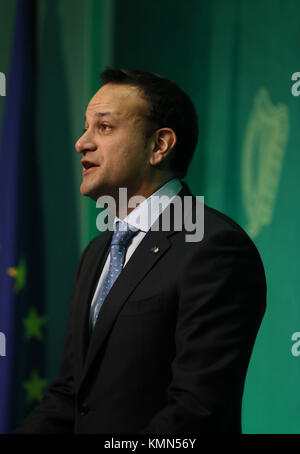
x,y
172,342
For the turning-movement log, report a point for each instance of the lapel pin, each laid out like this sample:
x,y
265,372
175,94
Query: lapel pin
x,y
155,249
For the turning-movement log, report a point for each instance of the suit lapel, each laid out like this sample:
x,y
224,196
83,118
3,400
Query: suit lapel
x,y
88,282
142,261
134,271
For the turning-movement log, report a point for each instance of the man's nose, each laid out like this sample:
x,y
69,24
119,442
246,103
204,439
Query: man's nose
x,y
84,144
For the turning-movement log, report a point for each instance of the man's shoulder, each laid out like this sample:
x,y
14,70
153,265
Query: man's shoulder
x,y
217,223
220,229
95,245
216,220
98,241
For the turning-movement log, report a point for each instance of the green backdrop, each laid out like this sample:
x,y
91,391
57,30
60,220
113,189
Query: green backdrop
x,y
235,59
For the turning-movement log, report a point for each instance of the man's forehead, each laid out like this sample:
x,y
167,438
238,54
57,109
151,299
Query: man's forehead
x,y
117,100
103,114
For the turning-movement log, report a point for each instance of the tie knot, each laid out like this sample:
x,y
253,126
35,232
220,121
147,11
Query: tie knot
x,y
123,234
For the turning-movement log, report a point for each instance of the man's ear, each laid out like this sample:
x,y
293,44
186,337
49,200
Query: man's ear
x,y
164,141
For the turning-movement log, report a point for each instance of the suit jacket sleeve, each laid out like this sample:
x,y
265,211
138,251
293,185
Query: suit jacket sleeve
x,y
221,303
55,413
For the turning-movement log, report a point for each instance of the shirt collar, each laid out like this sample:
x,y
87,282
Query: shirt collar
x,y
145,214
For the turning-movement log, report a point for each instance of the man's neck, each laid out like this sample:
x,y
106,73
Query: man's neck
x,y
123,207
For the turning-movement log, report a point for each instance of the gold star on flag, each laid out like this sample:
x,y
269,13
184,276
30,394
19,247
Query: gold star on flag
x,y
33,325
34,387
19,273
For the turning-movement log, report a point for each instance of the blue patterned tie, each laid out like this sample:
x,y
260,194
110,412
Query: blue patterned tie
x,y
120,240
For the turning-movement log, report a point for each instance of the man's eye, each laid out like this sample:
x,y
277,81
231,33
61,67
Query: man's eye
x,y
105,127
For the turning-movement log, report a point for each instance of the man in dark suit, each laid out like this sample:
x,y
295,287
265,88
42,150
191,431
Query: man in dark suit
x,y
161,326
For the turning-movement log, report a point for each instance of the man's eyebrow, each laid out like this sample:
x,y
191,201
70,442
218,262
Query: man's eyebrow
x,y
104,114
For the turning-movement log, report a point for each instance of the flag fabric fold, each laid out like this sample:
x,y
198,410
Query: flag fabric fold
x,y
15,140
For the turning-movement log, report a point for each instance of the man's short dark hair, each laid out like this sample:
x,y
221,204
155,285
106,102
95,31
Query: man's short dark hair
x,y
170,108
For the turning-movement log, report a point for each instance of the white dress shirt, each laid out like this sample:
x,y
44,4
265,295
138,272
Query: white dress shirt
x,y
142,218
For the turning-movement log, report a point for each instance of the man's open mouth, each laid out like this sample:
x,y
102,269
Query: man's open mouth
x,y
88,166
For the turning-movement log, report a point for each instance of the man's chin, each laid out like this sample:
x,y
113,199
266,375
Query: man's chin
x,y
88,192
